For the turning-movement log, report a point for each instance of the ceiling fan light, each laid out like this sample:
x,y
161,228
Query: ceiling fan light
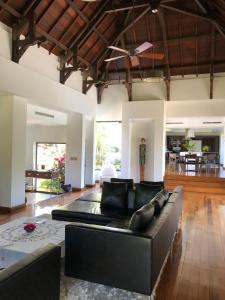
x,y
155,11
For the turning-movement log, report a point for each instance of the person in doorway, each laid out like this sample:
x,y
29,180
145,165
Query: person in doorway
x,y
142,155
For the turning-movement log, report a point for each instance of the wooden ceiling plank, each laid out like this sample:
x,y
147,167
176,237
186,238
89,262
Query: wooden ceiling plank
x,y
58,19
162,22
196,45
207,17
212,54
1,8
181,42
93,23
72,23
186,12
45,11
82,15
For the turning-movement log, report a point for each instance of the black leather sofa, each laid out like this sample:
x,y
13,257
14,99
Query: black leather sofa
x,y
101,248
36,276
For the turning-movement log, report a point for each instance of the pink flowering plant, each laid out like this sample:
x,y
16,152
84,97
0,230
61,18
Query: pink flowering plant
x,y
59,165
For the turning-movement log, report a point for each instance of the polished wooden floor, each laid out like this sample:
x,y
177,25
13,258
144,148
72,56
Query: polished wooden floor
x,y
212,181
195,269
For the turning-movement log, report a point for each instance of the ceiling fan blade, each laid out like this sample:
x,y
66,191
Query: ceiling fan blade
x,y
152,55
134,61
118,49
143,47
114,58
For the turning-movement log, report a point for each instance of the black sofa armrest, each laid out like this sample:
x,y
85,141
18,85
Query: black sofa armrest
x,y
108,256
36,277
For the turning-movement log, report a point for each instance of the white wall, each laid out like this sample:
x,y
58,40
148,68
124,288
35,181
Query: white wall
x,y
153,112
12,150
194,108
181,90
36,78
39,133
75,150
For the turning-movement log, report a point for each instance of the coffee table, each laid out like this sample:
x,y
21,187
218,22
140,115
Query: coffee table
x,y
14,237
9,257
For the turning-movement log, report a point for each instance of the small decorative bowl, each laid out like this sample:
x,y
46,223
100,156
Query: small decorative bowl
x,y
29,227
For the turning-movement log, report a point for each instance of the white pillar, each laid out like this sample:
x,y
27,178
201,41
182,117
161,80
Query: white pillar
x,y
222,148
90,152
13,115
75,150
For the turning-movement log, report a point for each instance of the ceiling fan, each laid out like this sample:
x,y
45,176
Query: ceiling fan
x,y
134,54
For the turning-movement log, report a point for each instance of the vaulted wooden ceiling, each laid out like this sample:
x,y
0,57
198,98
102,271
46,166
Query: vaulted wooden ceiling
x,y
190,33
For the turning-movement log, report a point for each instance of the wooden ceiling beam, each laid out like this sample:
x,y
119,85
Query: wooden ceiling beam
x,y
162,22
20,46
70,26
83,35
82,15
140,4
93,23
10,9
58,19
31,6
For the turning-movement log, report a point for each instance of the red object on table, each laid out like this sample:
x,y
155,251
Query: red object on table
x,y
29,227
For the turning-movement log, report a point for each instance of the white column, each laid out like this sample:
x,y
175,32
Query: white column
x,y
13,116
222,148
75,150
90,152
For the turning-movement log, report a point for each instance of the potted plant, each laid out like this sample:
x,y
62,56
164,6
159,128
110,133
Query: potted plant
x,y
205,148
189,146
59,165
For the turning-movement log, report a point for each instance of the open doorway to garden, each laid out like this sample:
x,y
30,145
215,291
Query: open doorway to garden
x,y
108,146
50,156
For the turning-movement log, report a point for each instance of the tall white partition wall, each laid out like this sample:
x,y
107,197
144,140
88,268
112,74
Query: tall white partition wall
x,y
90,152
143,119
13,113
75,150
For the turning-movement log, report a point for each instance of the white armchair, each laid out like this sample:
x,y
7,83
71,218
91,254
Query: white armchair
x,y
108,171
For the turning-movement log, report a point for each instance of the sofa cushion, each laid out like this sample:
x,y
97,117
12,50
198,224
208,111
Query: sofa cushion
x,y
130,182
144,193
142,217
153,183
114,194
89,212
160,200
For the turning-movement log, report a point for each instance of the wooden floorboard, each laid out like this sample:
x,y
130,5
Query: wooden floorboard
x,y
195,269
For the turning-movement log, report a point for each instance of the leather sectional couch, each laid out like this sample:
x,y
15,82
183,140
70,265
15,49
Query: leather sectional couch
x,y
36,276
101,246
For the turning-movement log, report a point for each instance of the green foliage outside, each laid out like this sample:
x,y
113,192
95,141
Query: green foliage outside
x,y
101,148
105,151
53,185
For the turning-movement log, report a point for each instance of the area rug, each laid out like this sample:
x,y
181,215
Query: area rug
x,y
76,289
